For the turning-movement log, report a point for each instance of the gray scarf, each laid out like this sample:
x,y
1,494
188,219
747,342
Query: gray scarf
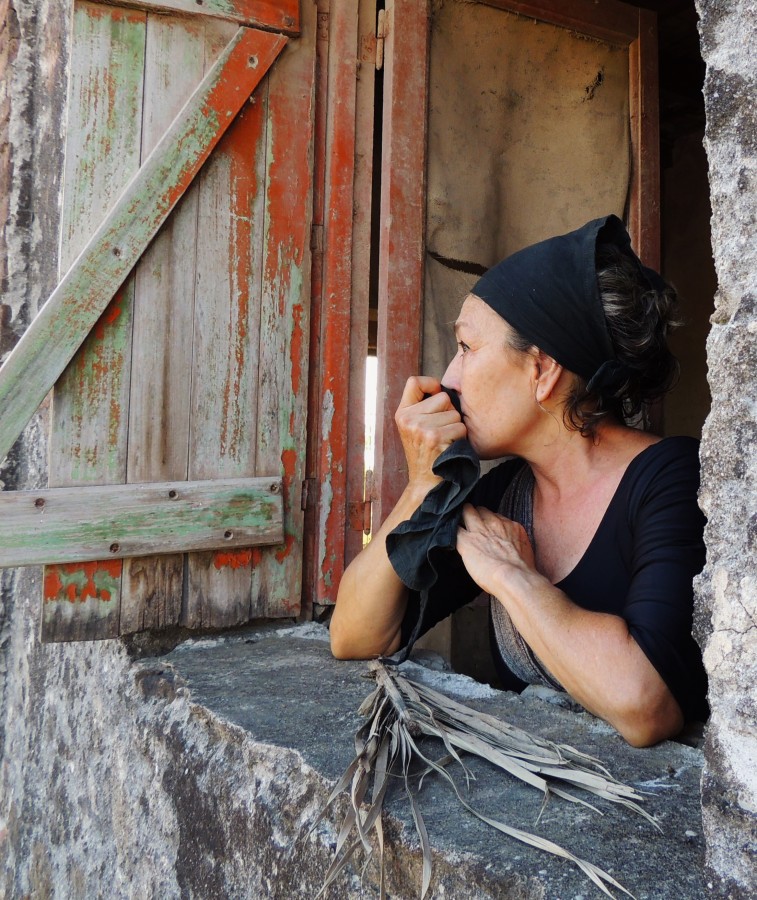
x,y
518,504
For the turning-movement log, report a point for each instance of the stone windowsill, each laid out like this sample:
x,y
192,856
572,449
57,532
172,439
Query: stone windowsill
x,y
272,718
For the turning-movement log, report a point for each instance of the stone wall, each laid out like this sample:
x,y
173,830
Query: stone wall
x,y
32,88
728,587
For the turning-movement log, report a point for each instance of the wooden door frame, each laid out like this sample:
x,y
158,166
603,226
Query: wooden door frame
x,y
402,251
333,495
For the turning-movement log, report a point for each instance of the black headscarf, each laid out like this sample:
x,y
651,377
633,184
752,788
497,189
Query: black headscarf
x,y
548,292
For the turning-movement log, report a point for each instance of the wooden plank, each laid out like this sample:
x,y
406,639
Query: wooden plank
x,y
285,314
336,311
62,324
401,248
90,403
608,20
644,202
105,95
273,15
311,488
361,269
225,352
152,587
644,194
114,521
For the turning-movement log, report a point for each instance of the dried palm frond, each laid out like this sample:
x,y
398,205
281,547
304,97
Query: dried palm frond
x,y
399,712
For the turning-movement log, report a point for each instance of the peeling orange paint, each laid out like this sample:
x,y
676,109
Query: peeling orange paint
x,y
289,462
237,393
115,14
78,582
53,585
233,559
296,349
282,553
110,316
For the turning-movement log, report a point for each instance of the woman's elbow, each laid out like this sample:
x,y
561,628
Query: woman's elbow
x,y
649,721
339,638
347,645
340,647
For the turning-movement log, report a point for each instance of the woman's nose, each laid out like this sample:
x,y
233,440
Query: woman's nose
x,y
451,377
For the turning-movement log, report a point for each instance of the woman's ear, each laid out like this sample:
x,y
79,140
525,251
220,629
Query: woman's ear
x,y
549,372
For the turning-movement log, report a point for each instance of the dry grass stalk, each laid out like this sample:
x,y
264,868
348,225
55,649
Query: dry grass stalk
x,y
399,711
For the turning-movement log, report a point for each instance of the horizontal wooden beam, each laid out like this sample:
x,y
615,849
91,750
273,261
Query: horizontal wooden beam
x,y
56,333
273,15
615,22
78,524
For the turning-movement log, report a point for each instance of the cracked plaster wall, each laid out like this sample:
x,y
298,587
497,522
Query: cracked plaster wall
x,y
727,589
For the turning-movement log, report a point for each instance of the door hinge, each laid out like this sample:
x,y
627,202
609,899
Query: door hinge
x,y
359,512
308,486
359,515
316,238
380,35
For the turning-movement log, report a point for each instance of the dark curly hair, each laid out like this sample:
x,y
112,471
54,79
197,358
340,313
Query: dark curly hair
x,y
639,317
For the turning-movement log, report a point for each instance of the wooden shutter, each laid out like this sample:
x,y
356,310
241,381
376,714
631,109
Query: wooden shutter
x,y
177,339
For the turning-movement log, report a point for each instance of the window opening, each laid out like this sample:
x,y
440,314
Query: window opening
x,y
371,367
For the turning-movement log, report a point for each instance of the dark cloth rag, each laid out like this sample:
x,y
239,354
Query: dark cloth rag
x,y
416,546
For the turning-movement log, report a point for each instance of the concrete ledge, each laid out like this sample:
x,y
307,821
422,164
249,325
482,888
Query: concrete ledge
x,y
261,724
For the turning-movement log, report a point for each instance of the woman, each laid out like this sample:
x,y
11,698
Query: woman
x,y
558,344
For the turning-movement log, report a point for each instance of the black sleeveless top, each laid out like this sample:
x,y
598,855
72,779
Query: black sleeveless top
x,y
639,565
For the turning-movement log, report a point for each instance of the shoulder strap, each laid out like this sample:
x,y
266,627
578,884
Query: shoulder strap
x,y
518,504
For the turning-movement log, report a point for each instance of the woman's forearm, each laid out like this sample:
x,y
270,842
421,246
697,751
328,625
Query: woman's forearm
x,y
594,657
371,601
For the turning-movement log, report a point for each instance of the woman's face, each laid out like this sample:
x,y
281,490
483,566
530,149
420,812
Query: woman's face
x,y
496,383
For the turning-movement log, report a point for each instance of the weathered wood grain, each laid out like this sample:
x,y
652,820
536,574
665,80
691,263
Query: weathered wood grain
x,y
609,20
402,233
74,307
310,496
90,402
225,364
361,268
644,195
285,314
275,15
152,587
644,201
336,308
114,521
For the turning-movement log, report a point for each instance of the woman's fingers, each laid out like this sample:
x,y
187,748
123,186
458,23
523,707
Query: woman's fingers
x,y
493,535
482,519
417,387
427,423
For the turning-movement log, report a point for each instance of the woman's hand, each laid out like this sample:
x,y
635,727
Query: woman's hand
x,y
428,423
493,548
592,654
371,603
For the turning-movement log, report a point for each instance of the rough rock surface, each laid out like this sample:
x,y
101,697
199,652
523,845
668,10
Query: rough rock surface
x,y
288,694
198,775
727,589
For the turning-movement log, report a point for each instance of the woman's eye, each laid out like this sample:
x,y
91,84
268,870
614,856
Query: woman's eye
x,y
463,346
